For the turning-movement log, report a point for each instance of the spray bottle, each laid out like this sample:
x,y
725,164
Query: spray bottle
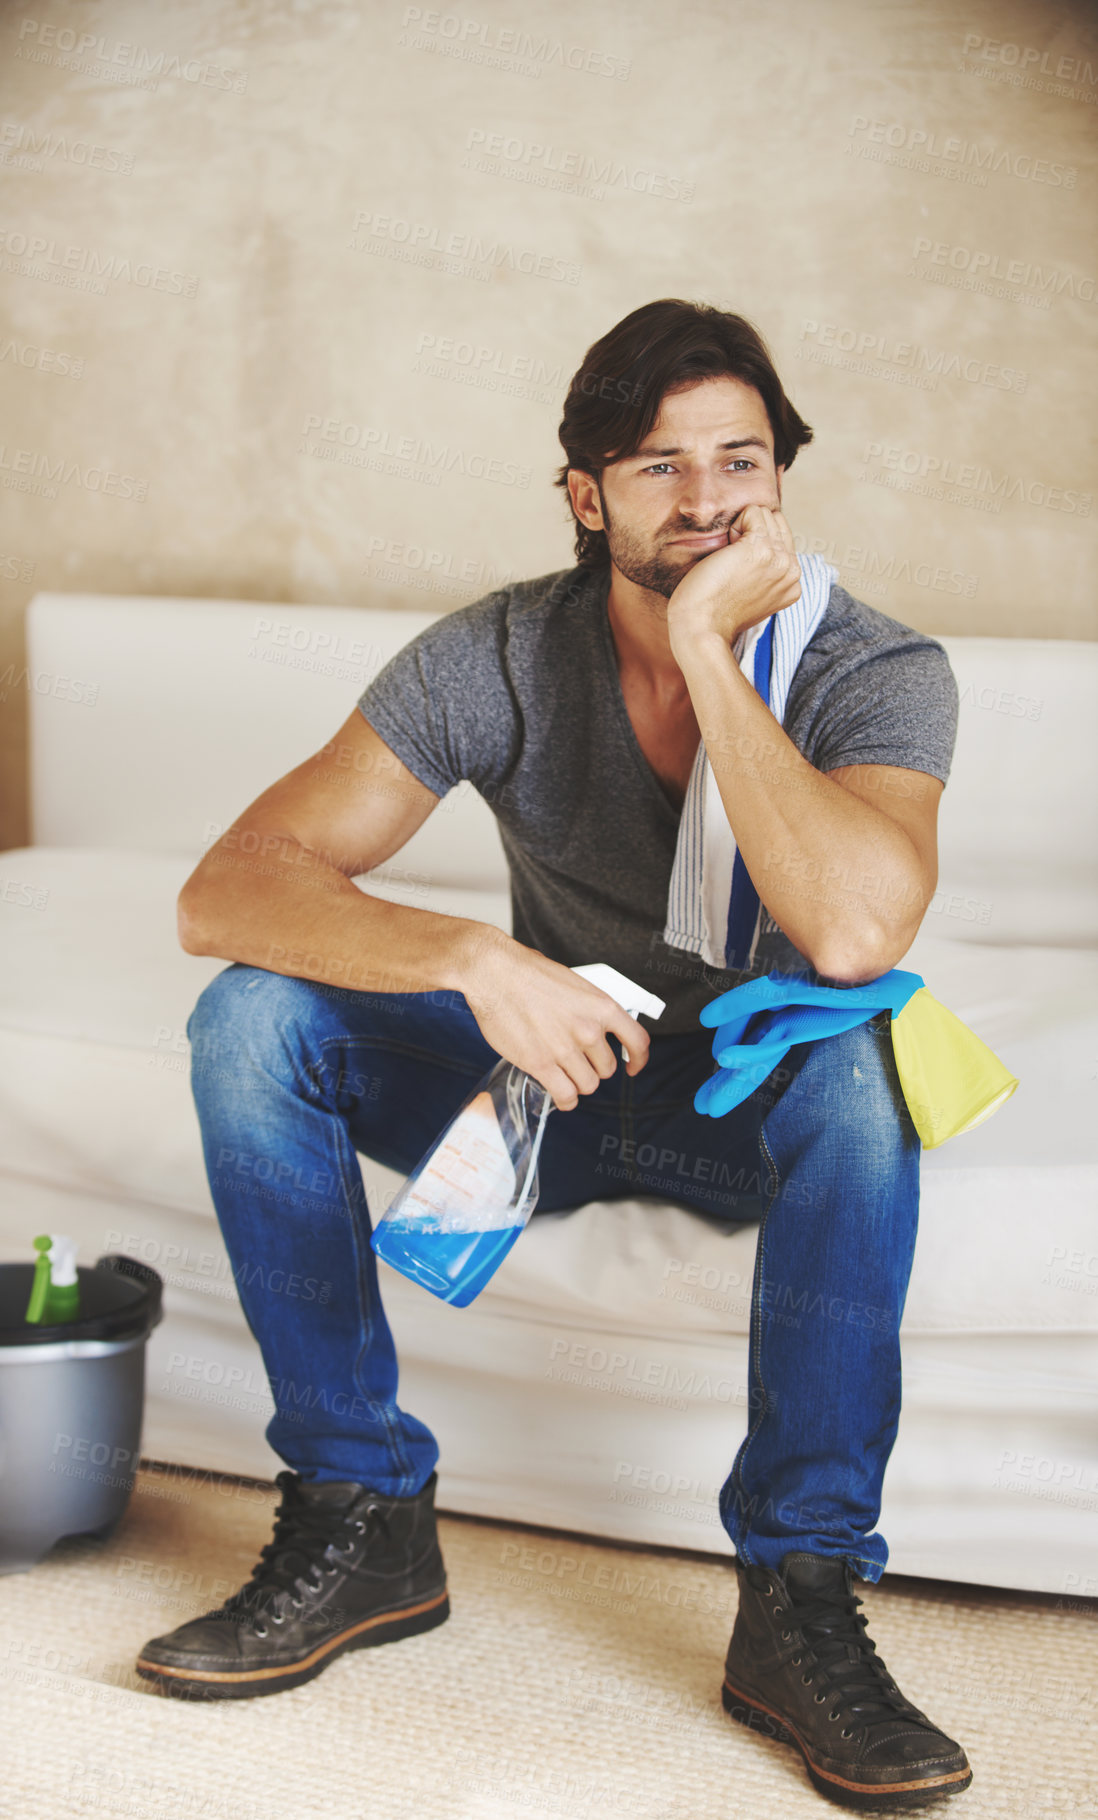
x,y
55,1291
465,1203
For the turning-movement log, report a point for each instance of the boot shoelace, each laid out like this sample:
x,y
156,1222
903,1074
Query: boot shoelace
x,y
302,1540
854,1677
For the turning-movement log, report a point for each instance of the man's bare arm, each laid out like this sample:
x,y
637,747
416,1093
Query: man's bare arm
x,y
845,863
276,892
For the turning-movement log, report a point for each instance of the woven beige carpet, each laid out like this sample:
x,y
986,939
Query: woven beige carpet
x,y
573,1678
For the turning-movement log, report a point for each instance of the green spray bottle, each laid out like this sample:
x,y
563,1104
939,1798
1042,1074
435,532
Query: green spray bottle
x,y
55,1292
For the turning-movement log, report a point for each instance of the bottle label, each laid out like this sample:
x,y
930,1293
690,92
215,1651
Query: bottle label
x,y
468,1184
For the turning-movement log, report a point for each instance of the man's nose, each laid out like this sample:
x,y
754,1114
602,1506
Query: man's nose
x,y
704,501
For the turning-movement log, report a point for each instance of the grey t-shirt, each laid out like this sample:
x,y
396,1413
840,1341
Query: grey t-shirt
x,y
519,694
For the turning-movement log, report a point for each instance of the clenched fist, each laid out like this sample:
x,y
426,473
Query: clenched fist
x,y
739,584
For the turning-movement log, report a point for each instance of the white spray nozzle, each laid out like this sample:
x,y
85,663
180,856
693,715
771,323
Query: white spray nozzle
x,y
625,992
62,1256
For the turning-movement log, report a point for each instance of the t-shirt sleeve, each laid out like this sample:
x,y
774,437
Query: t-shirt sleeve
x,y
894,706
442,703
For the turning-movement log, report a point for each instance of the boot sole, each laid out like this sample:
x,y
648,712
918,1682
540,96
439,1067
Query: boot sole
x,y
211,1684
746,1710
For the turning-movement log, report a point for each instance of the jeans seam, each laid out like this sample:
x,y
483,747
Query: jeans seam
x,y
381,1412
756,1331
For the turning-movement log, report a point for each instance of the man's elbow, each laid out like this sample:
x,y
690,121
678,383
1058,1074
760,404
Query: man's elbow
x,y
850,960
190,925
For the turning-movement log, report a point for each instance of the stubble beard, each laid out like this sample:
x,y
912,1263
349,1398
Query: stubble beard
x,y
657,572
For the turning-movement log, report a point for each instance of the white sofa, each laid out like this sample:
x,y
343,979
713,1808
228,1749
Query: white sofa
x,y
598,1384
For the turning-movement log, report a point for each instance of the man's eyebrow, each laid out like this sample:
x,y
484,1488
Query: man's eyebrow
x,y
741,442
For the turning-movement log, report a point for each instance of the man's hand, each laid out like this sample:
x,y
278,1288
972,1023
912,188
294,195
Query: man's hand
x,y
550,1022
737,585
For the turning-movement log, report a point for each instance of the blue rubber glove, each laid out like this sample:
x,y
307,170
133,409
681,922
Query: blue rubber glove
x,y
758,1023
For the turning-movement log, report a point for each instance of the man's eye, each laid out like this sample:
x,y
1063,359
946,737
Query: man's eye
x,y
738,463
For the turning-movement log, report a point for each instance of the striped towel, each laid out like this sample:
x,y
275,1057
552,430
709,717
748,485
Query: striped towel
x,y
713,908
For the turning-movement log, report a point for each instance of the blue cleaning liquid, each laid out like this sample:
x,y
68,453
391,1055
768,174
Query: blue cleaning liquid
x,y
455,1266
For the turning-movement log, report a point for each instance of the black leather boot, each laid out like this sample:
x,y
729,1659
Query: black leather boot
x,y
801,1669
347,1568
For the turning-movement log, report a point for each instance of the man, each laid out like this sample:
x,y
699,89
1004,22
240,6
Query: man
x,y
576,704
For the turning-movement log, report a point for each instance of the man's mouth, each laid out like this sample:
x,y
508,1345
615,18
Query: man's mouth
x,y
710,541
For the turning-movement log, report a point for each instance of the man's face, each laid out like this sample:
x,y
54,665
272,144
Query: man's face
x,y
664,508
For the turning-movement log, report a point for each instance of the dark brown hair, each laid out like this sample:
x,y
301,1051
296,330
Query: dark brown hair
x,y
615,396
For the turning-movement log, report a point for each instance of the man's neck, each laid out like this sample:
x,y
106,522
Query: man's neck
x,y
638,625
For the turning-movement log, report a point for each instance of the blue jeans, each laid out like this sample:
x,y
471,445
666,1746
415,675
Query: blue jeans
x,y
291,1079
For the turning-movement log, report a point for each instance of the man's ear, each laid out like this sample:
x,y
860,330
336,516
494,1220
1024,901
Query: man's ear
x,y
583,491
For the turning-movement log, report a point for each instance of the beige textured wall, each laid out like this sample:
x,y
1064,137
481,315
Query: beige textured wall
x,y
292,294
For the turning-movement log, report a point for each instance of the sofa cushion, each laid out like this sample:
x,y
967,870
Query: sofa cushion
x,y
93,1011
